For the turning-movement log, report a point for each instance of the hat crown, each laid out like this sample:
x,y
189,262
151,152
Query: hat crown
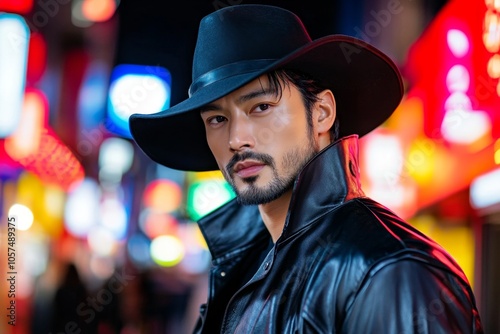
x,y
237,45
246,32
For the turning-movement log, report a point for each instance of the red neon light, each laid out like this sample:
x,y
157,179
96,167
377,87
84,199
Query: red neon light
x,y
429,77
16,6
54,162
37,58
36,148
6,162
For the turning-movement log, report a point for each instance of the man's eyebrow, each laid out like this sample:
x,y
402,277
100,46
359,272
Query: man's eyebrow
x,y
241,99
208,107
254,94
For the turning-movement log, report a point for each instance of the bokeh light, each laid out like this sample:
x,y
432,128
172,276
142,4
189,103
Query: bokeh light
x,y
458,42
162,195
113,216
136,89
167,250
81,213
115,156
14,37
101,241
155,223
138,248
23,216
206,195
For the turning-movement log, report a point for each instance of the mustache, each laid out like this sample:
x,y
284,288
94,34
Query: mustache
x,y
261,157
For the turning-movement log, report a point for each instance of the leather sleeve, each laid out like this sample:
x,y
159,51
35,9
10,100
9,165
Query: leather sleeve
x,y
410,296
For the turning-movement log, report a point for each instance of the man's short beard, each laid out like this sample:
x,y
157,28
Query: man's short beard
x,y
293,163
254,195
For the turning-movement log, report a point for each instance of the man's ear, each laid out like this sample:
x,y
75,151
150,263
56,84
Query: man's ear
x,y
325,112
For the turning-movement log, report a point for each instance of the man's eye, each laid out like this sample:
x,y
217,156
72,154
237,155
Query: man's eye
x,y
263,107
216,120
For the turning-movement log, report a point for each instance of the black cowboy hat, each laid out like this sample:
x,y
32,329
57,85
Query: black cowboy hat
x,y
239,43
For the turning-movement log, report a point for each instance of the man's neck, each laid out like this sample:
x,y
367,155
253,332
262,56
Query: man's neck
x,y
274,214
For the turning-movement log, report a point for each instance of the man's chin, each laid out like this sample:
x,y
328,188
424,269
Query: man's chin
x,y
247,200
256,196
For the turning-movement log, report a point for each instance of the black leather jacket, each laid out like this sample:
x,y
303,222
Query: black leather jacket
x,y
343,264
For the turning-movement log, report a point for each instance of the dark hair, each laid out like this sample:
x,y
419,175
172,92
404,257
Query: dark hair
x,y
308,87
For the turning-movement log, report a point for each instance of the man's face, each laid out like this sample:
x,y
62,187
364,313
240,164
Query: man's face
x,y
259,140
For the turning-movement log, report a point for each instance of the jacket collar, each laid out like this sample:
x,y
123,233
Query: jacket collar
x,y
329,179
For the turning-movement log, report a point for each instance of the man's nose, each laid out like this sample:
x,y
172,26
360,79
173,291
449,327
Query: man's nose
x,y
240,134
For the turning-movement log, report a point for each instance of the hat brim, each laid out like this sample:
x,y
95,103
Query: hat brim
x,y
366,84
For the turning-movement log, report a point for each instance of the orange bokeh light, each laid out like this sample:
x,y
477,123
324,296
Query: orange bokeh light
x,y
159,223
98,10
26,139
163,195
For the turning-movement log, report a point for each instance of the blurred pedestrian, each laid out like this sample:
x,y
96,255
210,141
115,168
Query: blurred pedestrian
x,y
71,293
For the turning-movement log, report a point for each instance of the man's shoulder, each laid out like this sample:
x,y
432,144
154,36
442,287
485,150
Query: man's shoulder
x,y
369,235
363,223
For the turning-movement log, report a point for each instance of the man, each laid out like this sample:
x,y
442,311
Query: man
x,y
301,249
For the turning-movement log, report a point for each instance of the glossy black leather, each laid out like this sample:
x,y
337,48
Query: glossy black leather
x,y
343,264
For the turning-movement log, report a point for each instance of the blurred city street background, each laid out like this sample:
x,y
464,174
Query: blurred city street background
x,y
97,238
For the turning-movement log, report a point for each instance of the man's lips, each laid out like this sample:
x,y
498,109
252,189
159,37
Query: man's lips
x,y
248,168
